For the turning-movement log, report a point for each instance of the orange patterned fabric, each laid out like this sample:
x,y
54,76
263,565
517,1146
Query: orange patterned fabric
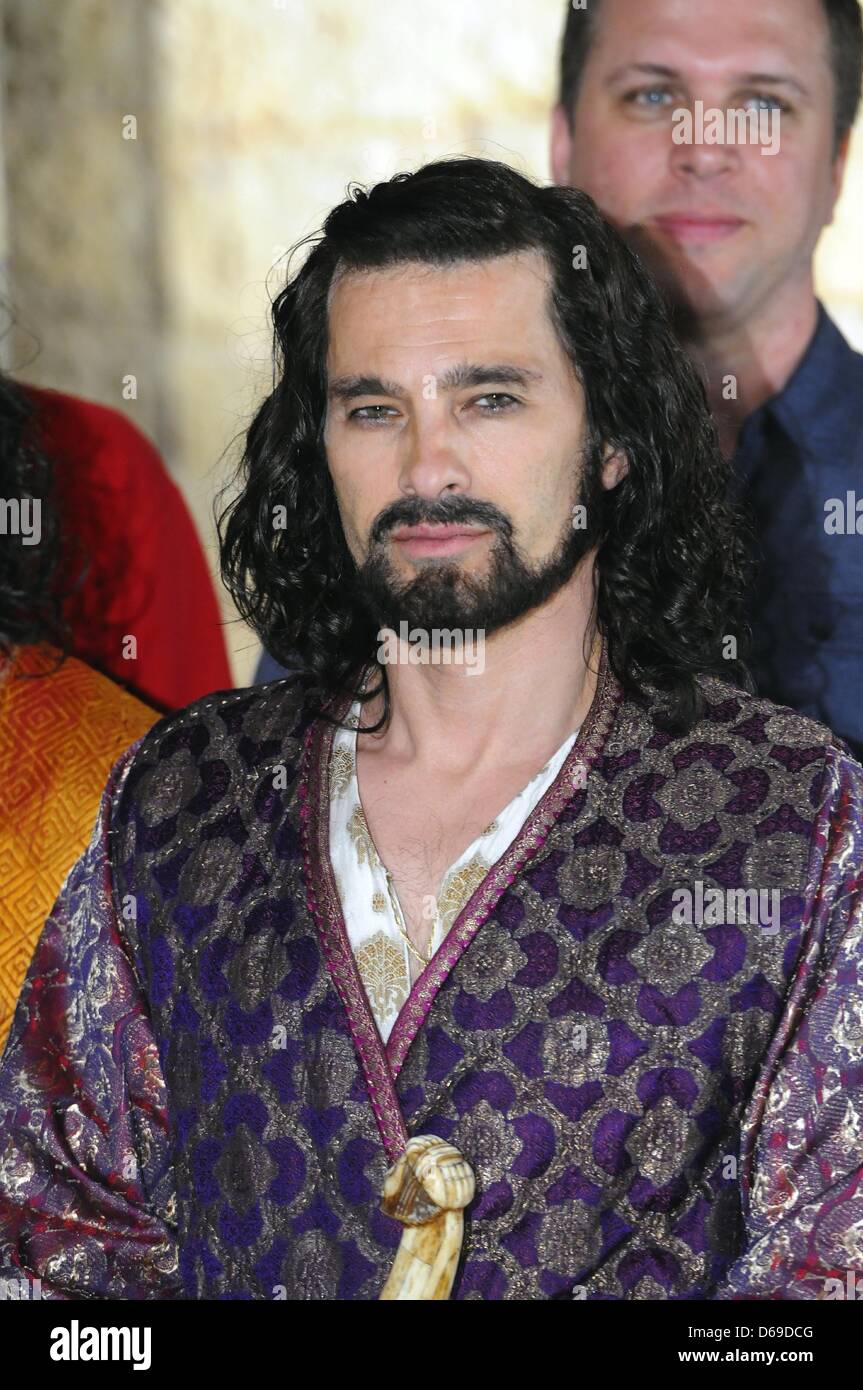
x,y
59,737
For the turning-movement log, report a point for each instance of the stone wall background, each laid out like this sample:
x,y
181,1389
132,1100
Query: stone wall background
x,y
156,256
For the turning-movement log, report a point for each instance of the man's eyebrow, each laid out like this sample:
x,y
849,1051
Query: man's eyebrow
x,y
772,79
484,374
646,69
744,79
348,388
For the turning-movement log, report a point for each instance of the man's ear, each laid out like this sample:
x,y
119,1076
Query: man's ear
x,y
837,172
561,146
615,465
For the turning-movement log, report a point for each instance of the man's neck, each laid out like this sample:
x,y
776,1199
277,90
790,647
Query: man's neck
x,y
534,691
745,362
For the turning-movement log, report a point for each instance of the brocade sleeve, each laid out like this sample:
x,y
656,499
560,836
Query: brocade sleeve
x,y
86,1185
801,1158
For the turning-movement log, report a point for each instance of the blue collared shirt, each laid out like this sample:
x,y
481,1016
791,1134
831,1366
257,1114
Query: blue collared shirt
x,y
800,466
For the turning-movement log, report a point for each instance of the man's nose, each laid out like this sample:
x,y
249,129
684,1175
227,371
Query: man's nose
x,y
697,159
434,457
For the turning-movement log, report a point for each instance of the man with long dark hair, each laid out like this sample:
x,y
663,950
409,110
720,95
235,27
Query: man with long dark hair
x,y
514,890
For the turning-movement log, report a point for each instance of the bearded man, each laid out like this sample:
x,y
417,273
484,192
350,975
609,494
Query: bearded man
x,y
512,916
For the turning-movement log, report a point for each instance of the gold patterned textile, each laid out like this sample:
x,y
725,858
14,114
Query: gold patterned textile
x,y
60,734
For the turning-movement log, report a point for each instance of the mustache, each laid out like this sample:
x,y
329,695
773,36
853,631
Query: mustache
x,y
419,511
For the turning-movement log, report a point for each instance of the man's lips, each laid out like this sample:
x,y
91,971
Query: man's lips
x,y
437,540
697,227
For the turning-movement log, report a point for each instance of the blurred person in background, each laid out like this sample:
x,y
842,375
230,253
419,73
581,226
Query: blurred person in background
x,y
62,724
141,606
730,230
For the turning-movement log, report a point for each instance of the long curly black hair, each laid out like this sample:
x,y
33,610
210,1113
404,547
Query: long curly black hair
x,y
671,568
31,601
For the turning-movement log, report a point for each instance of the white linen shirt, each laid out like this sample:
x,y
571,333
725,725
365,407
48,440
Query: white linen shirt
x,y
368,897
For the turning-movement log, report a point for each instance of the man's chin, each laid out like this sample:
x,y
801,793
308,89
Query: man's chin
x,y
430,617
697,288
697,298
437,602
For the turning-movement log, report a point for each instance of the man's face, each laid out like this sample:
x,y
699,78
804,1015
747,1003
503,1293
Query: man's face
x,y
725,227
451,400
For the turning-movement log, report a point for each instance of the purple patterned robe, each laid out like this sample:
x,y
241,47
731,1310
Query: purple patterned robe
x,y
195,1102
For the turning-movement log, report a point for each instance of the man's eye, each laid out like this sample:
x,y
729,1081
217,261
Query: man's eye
x,y
371,414
763,102
497,401
649,98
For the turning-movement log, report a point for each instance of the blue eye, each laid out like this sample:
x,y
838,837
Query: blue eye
x,y
650,97
766,103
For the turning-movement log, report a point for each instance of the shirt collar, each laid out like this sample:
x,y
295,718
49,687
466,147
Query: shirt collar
x,y
824,384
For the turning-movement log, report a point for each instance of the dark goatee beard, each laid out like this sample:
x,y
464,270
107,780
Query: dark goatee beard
x,y
443,596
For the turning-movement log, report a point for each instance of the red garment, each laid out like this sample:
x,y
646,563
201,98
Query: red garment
x,y
146,573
